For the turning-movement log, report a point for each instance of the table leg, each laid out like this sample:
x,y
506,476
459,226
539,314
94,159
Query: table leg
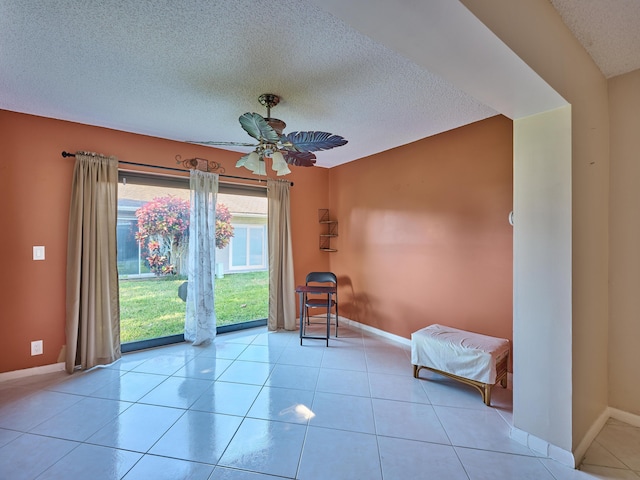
x,y
301,295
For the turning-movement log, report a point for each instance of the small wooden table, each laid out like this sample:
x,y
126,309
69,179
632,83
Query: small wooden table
x,y
302,291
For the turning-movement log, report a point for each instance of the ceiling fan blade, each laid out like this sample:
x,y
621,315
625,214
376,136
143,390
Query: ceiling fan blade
x,y
312,141
228,144
256,126
299,159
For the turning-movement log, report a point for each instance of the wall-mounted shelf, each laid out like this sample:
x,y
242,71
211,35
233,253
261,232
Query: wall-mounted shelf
x,y
331,230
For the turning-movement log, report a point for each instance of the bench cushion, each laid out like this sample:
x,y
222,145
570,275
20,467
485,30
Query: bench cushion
x,y
465,354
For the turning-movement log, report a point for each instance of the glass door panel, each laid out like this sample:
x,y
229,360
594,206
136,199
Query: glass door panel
x,y
152,261
151,265
242,294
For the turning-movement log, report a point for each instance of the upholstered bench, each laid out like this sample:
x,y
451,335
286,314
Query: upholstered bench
x,y
471,358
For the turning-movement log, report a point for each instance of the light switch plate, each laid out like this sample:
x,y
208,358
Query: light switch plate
x,y
36,347
38,253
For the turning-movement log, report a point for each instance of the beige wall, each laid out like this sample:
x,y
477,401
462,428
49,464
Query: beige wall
x,y
624,326
535,32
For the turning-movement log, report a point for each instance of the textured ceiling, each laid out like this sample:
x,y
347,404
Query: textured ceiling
x,y
608,29
187,70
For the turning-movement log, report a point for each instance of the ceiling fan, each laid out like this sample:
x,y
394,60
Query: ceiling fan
x,y
294,148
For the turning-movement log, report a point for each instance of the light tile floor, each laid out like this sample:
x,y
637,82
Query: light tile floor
x,y
256,405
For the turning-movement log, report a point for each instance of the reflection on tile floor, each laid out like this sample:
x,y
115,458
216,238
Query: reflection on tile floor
x,y
256,406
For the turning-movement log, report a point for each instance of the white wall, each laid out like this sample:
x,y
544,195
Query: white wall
x,y
542,276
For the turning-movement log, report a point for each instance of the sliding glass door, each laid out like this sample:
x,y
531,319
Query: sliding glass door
x,y
153,219
242,287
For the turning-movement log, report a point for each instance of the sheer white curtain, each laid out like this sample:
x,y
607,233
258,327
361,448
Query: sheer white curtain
x,y
200,319
282,308
92,298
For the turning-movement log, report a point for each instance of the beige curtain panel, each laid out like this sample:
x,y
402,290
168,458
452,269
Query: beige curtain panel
x,y
92,315
282,308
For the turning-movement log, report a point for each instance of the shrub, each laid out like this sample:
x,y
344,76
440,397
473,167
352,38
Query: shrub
x,y
163,231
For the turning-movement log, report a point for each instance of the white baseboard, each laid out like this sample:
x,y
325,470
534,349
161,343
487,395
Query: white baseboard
x,y
596,427
536,444
27,372
574,459
626,417
590,436
375,331
542,447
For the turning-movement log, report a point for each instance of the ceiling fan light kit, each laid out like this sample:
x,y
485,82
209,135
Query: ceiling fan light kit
x,y
279,164
294,148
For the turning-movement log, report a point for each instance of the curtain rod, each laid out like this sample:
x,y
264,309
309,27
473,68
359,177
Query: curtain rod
x,y
66,154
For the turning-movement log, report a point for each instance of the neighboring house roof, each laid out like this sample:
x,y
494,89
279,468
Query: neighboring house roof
x,y
135,195
239,204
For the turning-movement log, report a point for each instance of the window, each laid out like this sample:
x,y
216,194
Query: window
x,y
248,247
130,260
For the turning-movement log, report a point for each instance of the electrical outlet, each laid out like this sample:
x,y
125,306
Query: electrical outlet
x,y
36,347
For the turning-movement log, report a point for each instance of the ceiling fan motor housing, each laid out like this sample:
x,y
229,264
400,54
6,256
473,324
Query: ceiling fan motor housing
x,y
277,124
270,100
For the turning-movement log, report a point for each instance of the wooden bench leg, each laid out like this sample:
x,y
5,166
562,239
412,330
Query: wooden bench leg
x,y
483,388
486,394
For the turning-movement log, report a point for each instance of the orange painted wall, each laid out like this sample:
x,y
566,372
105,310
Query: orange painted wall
x,y
424,235
35,188
423,232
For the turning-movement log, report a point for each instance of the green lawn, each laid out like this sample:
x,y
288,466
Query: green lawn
x,y
151,307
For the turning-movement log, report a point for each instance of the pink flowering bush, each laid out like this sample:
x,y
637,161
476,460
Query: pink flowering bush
x,y
163,232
